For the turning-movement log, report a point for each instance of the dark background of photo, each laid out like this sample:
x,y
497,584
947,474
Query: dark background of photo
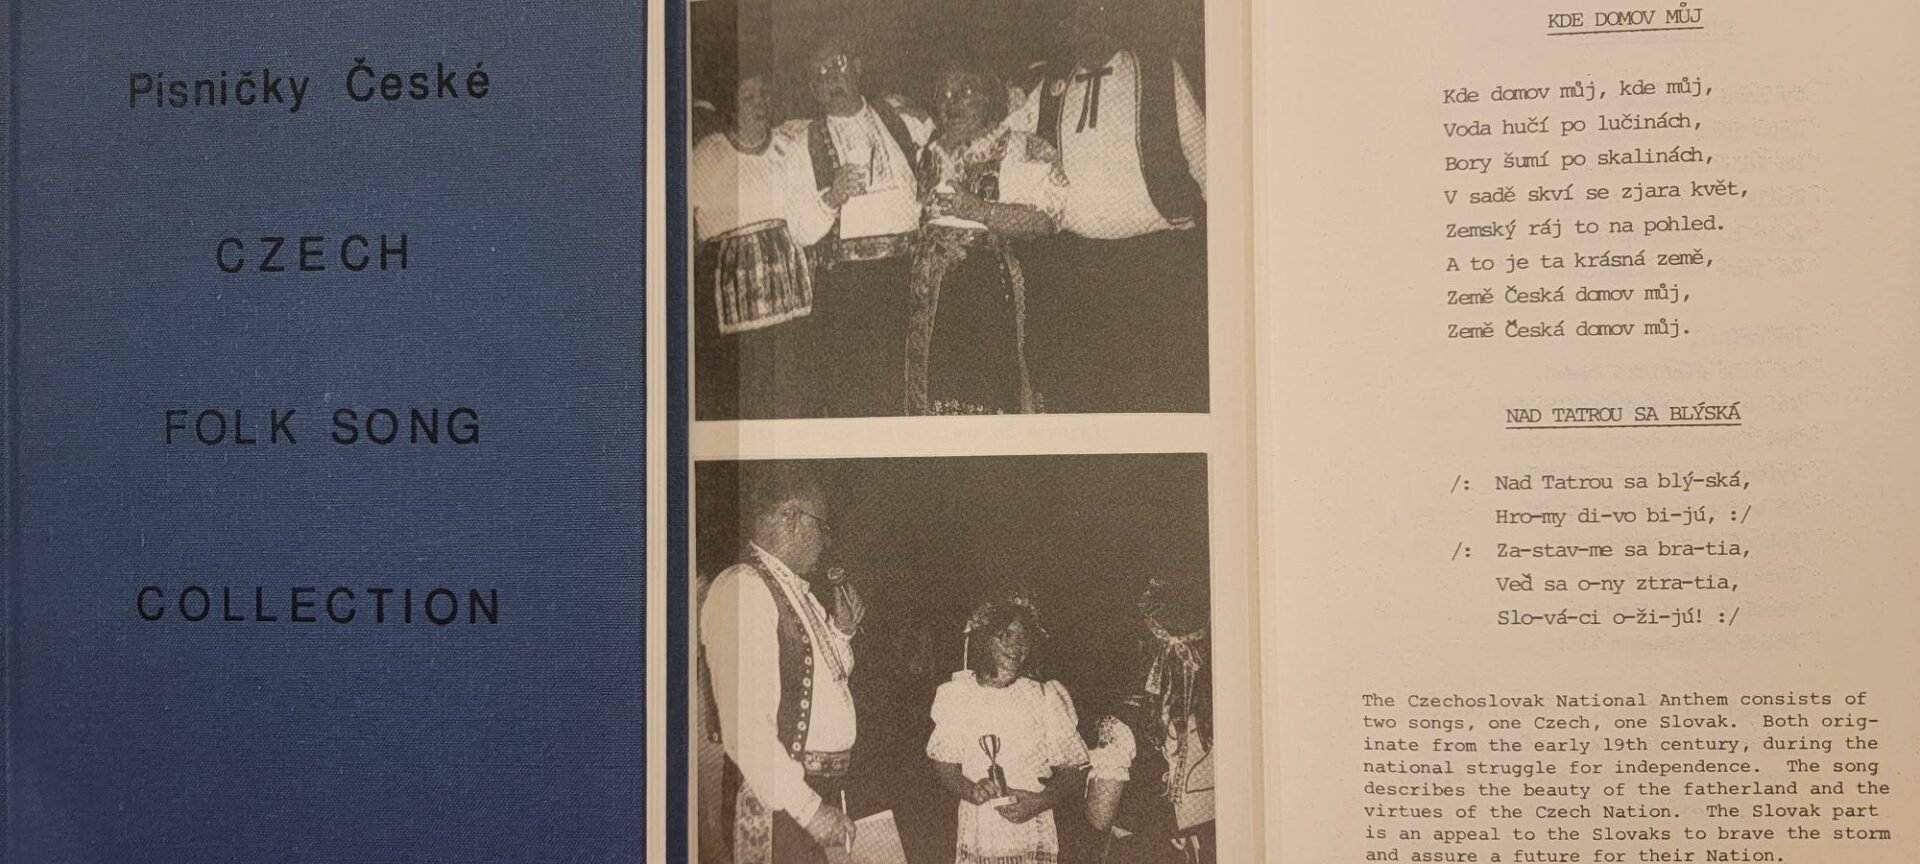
x,y
926,539
902,41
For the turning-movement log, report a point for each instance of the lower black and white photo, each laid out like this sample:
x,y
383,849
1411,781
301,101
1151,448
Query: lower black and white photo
x,y
981,659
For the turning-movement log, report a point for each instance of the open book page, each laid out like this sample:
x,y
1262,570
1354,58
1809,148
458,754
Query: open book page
x,y
1588,393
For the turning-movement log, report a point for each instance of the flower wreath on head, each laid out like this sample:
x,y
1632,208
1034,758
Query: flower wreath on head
x,y
1020,596
1176,661
1172,679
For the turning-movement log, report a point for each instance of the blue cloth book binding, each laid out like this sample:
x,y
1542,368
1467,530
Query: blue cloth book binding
x,y
324,431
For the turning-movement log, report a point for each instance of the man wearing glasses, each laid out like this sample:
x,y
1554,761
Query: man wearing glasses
x,y
864,152
779,662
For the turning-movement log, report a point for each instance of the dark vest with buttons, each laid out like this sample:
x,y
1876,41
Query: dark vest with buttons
x,y
1163,164
796,669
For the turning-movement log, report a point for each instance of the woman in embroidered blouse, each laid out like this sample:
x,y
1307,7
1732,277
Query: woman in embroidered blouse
x,y
987,184
1028,727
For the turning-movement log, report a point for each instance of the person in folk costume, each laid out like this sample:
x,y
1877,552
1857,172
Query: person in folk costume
x,y
863,152
1162,809
754,212
1005,744
966,351
779,661
1119,297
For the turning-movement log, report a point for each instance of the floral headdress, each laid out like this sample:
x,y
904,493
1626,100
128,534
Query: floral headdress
x,y
1175,680
1177,659
982,614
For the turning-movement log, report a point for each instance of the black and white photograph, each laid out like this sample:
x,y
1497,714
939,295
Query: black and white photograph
x,y
947,207
979,660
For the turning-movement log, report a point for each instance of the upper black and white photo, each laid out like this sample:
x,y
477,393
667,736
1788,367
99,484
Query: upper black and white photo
x,y
947,207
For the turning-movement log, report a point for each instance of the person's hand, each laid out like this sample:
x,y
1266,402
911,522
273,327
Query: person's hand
x,y
848,181
830,827
849,609
983,790
1025,806
963,204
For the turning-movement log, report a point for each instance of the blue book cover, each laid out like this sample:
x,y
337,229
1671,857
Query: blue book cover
x,y
325,475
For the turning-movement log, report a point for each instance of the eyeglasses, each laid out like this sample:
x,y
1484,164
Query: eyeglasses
x,y
832,65
1013,638
817,519
960,93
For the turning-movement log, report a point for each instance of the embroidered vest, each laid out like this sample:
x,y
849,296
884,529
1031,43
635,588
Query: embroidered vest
x,y
985,180
796,669
1163,164
826,161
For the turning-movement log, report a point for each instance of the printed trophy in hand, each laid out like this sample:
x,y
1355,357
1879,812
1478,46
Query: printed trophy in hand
x,y
997,776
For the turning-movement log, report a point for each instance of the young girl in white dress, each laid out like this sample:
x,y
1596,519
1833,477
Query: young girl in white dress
x,y
994,714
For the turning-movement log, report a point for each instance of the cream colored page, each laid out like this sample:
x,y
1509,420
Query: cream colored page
x,y
1608,560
